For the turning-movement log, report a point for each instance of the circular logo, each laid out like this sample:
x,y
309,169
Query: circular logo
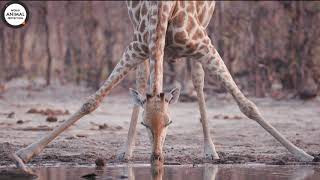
x,y
15,14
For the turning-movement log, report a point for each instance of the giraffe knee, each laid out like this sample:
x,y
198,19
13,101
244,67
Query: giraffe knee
x,y
198,78
249,109
198,85
89,106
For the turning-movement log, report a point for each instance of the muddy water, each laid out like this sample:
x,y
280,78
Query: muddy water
x,y
204,172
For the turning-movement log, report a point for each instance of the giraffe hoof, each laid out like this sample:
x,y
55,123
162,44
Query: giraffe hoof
x,y
20,164
211,157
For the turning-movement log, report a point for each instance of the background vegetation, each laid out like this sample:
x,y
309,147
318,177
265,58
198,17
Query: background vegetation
x,y
271,48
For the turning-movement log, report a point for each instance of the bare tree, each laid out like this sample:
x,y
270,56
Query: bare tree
x,y
47,31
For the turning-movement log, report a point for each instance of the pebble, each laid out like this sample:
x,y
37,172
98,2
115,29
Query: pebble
x,y
11,115
100,162
20,122
52,119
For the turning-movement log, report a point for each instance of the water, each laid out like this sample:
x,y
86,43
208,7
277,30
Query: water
x,y
203,172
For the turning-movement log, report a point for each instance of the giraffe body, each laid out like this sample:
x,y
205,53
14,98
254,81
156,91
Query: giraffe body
x,y
165,30
186,26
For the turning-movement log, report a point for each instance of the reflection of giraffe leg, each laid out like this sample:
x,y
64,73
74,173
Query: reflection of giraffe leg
x,y
157,172
131,175
216,67
142,74
129,61
303,173
198,82
210,172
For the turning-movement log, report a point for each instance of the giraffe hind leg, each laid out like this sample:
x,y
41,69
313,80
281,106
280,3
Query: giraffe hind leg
x,y
198,82
216,67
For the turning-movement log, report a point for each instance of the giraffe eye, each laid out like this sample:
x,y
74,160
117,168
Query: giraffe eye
x,y
145,125
168,123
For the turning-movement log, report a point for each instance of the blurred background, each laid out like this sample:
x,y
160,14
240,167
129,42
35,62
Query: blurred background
x,y
271,48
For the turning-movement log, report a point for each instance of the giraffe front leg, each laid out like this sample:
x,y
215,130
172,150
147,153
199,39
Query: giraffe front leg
x,y
213,62
198,82
142,74
129,61
125,153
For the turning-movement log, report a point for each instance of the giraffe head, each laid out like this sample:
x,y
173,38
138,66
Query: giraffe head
x,y
156,118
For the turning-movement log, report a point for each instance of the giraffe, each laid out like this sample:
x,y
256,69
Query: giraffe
x,y
165,30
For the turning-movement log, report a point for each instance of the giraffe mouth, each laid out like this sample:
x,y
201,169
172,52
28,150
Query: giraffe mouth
x,y
157,159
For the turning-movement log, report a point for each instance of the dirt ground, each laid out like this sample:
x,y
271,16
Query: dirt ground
x,y
103,132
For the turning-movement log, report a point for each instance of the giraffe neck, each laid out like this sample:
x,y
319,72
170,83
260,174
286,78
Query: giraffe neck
x,y
159,17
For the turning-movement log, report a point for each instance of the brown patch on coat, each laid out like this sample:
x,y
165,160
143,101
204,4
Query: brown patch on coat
x,y
144,9
169,38
180,37
182,4
146,37
201,16
179,19
136,47
144,48
191,7
191,46
197,35
137,15
191,23
142,26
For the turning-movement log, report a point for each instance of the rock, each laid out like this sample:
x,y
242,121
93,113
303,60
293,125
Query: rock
x,y
20,121
81,135
38,128
172,163
103,126
119,127
279,162
237,117
100,162
11,115
71,137
52,119
316,158
48,112
123,177
32,111
89,176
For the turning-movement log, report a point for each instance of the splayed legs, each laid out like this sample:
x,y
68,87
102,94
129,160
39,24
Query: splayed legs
x,y
216,67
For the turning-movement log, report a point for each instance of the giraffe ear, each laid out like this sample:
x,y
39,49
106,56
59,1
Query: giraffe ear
x,y
173,96
137,98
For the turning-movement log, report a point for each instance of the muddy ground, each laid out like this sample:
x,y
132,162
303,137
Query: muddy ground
x,y
23,119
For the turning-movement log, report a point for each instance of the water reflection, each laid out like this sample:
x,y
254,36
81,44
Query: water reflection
x,y
204,172
207,172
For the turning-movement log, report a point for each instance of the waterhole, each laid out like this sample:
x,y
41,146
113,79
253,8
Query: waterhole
x,y
145,172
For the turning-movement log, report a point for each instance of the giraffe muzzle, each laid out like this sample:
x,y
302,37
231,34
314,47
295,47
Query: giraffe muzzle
x,y
156,159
